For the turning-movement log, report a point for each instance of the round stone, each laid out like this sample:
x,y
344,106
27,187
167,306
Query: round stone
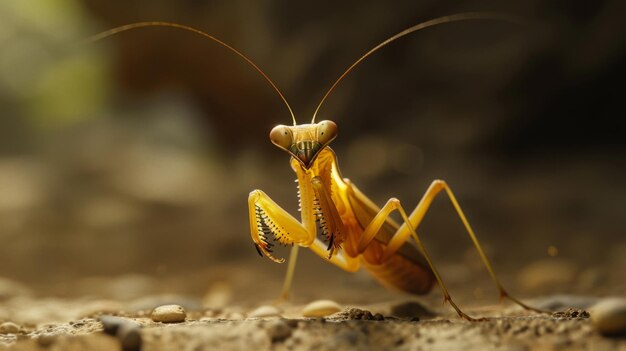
x,y
9,328
130,337
278,330
609,316
321,308
169,314
264,311
46,340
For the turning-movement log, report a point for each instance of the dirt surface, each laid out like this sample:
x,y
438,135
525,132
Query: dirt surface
x,y
504,329
75,324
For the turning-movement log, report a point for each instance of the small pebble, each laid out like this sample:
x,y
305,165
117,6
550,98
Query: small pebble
x,y
9,328
126,331
609,316
265,311
111,324
410,309
321,308
278,330
129,336
169,314
46,340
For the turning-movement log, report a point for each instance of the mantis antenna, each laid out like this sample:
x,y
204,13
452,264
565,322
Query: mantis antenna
x,y
415,28
124,28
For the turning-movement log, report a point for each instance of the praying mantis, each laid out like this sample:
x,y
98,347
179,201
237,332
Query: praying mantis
x,y
355,232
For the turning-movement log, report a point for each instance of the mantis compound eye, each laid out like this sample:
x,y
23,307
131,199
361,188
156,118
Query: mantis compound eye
x,y
326,132
281,136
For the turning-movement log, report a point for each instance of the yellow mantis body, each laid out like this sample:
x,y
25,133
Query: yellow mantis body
x,y
355,232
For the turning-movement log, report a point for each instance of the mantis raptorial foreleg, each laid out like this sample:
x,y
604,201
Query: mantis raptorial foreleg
x,y
408,229
266,217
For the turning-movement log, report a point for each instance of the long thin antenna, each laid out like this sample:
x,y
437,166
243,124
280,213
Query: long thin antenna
x,y
415,28
197,31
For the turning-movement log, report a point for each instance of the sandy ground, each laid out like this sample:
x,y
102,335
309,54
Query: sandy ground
x,y
505,329
404,322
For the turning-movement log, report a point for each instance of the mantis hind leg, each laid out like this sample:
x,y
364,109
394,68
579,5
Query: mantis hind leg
x,y
401,236
408,229
416,216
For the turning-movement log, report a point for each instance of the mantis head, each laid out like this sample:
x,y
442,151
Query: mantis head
x,y
304,142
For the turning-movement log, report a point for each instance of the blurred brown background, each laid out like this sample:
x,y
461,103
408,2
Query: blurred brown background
x,y
125,164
